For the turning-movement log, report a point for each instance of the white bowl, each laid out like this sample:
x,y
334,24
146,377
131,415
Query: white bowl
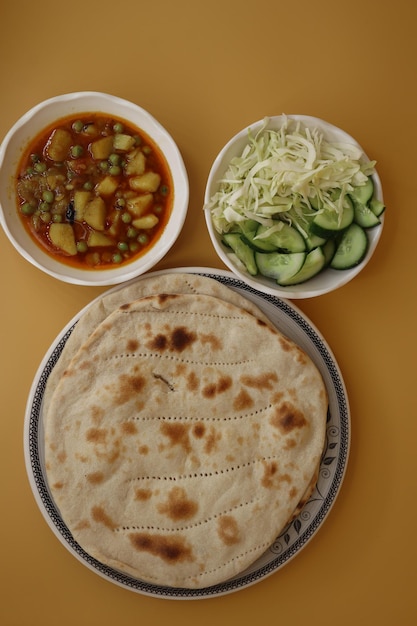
x,y
327,280
41,116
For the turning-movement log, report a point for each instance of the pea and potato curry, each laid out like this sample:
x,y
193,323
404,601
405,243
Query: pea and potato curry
x,y
94,191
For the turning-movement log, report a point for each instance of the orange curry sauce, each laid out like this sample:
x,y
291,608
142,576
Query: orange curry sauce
x,y
94,191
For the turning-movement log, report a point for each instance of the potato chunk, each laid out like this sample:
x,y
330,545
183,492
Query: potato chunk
x,y
96,239
95,213
136,163
58,144
81,199
145,222
102,148
107,186
149,181
138,205
62,236
123,142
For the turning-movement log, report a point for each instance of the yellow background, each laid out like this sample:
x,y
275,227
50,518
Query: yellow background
x,y
205,70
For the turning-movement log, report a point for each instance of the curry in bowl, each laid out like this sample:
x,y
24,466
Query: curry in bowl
x,y
94,191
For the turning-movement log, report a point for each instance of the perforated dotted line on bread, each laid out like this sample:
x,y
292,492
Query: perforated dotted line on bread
x,y
199,418
220,472
206,520
192,288
261,546
173,357
183,313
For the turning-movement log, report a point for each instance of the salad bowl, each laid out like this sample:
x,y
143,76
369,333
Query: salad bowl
x,y
253,191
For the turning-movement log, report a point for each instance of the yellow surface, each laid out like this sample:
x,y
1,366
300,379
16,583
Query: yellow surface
x,y
205,70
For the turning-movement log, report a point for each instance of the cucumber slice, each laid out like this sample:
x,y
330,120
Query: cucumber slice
x,y
327,223
377,207
287,239
314,241
279,266
363,193
248,227
364,216
304,228
258,244
316,203
314,262
329,248
243,252
351,249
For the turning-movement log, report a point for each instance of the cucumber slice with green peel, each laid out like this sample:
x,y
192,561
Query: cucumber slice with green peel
x,y
243,252
248,227
328,222
364,216
315,203
363,193
351,249
279,266
313,264
329,248
258,244
304,228
286,239
377,207
314,241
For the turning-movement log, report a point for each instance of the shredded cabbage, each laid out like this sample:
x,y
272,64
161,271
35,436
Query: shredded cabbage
x,y
280,171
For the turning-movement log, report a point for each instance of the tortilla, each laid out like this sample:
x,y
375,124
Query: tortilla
x,y
181,438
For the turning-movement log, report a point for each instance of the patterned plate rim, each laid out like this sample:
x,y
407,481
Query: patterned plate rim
x,y
291,540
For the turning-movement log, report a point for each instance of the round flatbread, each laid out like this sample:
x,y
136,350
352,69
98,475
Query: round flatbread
x,y
170,282
181,438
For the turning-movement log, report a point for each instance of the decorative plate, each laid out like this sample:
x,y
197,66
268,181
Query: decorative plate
x,y
292,323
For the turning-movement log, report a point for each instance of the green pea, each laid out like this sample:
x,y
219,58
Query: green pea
x,y
132,232
27,209
115,159
40,167
164,190
48,196
88,185
57,218
118,127
117,258
82,246
146,150
157,209
103,165
114,170
133,246
76,151
77,126
126,218
34,158
120,203
137,139
123,246
143,239
44,207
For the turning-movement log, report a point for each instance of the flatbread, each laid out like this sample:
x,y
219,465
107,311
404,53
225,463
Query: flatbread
x,y
181,437
172,282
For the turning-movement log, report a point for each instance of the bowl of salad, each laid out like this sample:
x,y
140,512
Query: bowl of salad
x,y
93,189
294,206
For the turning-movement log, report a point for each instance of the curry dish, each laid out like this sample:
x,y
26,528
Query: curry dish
x,y
94,191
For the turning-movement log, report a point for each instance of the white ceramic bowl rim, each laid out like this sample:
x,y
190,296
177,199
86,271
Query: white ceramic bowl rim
x,y
55,108
329,279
